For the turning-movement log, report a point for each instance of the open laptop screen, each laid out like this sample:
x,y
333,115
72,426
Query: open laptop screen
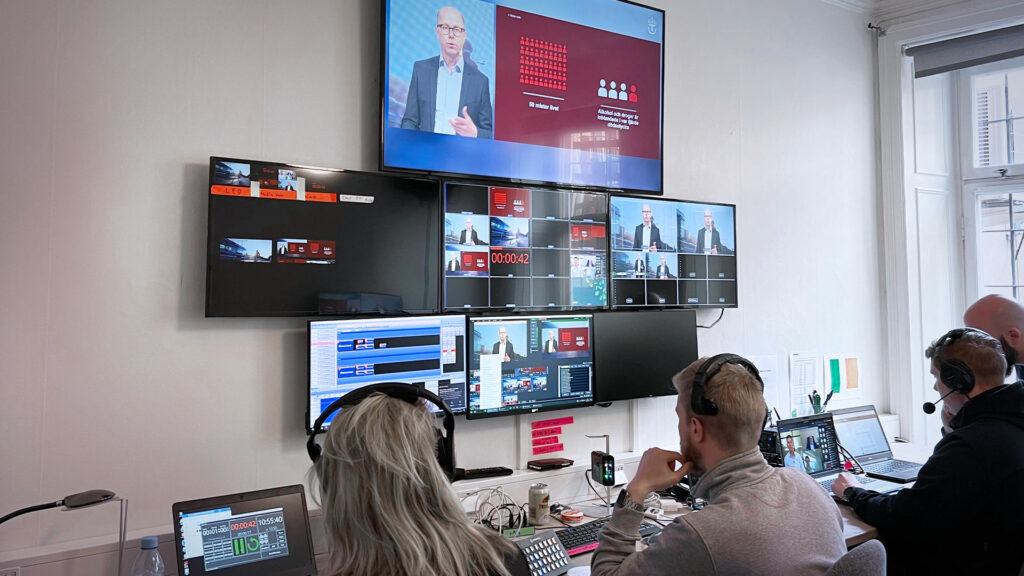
x,y
861,433
252,533
808,444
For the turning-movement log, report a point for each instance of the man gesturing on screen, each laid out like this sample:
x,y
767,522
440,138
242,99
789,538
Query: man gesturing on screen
x,y
647,236
448,94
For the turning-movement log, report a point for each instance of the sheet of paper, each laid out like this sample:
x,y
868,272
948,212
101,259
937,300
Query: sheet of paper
x,y
804,380
842,377
768,367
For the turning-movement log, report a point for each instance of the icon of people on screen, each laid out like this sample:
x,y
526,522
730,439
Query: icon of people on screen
x,y
469,235
632,93
448,94
613,93
646,236
622,91
602,91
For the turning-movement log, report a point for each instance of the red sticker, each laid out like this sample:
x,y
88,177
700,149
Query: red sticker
x,y
547,449
551,422
547,432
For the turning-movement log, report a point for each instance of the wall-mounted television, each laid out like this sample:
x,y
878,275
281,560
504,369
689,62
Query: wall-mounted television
x,y
427,351
522,364
669,253
290,240
524,248
567,93
640,350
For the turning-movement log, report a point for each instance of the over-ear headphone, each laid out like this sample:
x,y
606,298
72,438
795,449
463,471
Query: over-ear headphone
x,y
955,374
701,404
400,391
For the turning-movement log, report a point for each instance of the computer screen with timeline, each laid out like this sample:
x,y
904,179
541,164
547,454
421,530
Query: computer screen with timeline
x,y
669,253
347,354
529,364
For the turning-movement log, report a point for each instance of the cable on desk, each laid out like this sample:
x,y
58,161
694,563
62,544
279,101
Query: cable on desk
x,y
712,325
858,468
586,474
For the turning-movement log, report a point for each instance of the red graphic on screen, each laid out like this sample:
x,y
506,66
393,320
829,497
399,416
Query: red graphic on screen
x,y
474,261
306,251
573,339
510,202
584,232
609,90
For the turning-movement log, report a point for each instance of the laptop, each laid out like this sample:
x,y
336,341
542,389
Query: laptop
x,y
861,433
809,444
261,533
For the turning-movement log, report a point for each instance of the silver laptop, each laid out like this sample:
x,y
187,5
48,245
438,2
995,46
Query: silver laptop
x,y
860,432
809,444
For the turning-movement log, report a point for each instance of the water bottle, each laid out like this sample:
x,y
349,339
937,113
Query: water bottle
x,y
149,562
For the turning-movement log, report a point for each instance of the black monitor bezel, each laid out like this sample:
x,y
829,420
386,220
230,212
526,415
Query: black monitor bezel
x,y
383,111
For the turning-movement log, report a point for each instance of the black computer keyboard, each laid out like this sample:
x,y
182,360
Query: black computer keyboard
x,y
827,484
583,538
890,466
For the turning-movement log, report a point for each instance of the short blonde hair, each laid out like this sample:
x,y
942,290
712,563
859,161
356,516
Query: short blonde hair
x,y
740,400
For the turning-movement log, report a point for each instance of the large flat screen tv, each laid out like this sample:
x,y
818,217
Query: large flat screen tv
x,y
640,350
522,364
669,253
288,240
568,93
524,248
427,351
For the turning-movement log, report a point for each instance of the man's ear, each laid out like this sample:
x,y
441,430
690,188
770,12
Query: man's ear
x,y
1014,336
696,430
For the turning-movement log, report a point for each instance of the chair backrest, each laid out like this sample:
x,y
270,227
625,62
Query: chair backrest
x,y
868,559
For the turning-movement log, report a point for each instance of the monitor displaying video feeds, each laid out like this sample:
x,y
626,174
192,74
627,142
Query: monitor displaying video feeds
x,y
286,240
529,364
525,90
524,248
640,350
808,443
427,351
669,253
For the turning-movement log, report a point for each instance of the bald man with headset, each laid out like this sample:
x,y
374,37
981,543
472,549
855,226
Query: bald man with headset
x,y
965,512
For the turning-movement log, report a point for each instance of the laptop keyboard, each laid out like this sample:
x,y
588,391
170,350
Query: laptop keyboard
x,y
827,484
890,466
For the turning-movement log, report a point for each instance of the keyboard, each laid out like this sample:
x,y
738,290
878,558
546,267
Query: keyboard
x,y
827,484
583,538
890,466
544,555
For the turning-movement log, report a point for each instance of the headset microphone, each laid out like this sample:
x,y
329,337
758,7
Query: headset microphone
x,y
929,408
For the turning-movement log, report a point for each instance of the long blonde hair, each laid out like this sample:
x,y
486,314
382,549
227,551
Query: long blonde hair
x,y
388,506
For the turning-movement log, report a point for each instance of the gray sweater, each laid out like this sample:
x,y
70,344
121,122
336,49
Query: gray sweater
x,y
759,520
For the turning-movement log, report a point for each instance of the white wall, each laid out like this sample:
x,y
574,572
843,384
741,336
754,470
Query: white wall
x,y
112,377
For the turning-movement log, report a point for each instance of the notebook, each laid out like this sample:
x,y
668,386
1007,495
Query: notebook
x,y
861,433
259,533
809,444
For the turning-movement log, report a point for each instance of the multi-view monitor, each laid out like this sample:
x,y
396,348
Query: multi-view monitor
x,y
508,247
529,364
287,240
525,90
672,253
428,351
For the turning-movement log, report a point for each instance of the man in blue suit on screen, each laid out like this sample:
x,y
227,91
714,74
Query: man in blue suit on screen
x,y
448,94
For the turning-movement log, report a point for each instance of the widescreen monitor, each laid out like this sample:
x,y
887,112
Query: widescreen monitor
x,y
640,350
670,253
427,351
529,364
524,248
525,90
287,240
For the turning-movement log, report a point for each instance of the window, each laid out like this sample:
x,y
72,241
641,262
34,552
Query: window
x,y
999,238
995,93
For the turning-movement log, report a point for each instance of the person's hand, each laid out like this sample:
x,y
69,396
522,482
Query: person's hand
x,y
657,471
844,481
463,125
505,359
714,249
654,247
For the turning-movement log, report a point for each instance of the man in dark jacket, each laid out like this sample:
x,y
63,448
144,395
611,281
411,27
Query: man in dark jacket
x,y
965,513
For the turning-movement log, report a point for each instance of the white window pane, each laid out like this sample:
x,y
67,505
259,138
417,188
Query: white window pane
x,y
995,213
1015,91
989,96
994,259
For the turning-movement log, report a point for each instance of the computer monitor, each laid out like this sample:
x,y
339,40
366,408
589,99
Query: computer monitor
x,y
259,533
667,253
524,248
289,240
429,351
529,364
640,350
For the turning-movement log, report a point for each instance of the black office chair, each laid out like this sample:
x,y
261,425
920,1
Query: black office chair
x,y
868,559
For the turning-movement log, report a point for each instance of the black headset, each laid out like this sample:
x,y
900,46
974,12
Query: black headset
x,y
955,374
701,404
399,391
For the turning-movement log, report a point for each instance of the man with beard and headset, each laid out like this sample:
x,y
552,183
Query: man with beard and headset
x,y
1003,319
721,413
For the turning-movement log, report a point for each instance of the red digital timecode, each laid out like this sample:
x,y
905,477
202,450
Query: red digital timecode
x,y
510,257
243,525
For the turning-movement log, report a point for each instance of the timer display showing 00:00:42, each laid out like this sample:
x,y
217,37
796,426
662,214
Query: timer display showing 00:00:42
x,y
503,257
